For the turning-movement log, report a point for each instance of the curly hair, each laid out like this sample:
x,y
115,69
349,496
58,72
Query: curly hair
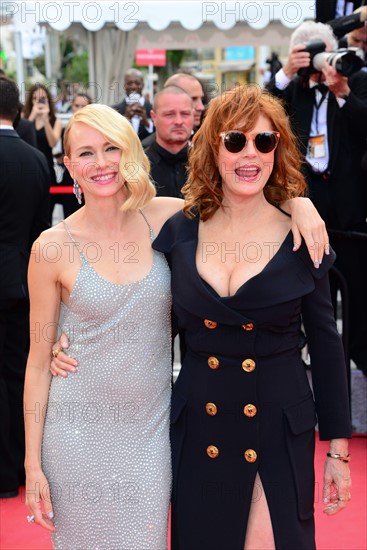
x,y
239,109
134,164
29,102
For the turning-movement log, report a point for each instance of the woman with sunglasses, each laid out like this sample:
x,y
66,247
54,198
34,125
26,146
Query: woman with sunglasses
x,y
243,415
210,316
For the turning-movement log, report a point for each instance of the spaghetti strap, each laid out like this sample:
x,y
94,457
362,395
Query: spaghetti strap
x,y
71,236
152,234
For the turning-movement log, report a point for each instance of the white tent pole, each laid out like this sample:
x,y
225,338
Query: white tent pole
x,y
20,64
48,56
93,84
150,82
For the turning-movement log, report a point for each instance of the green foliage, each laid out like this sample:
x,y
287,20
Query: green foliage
x,y
66,47
174,60
76,70
40,64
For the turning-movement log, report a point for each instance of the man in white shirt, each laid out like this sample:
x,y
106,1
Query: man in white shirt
x,y
134,106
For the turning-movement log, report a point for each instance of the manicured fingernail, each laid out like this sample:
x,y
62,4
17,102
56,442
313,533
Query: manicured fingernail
x,y
325,500
50,515
295,247
316,264
327,250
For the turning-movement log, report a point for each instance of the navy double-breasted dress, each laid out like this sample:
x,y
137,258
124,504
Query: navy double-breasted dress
x,y
242,403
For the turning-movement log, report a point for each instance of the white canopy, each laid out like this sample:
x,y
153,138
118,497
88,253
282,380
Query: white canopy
x,y
115,29
159,15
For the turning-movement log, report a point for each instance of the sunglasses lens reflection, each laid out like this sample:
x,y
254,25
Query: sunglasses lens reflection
x,y
265,142
234,142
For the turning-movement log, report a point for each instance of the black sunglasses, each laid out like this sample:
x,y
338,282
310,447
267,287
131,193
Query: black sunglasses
x,y
235,141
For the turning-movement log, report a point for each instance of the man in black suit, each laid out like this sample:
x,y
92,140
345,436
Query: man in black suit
x,y
194,88
24,213
333,9
134,106
331,124
173,119
26,130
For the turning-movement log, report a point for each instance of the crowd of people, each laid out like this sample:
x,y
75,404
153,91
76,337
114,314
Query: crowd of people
x,y
203,219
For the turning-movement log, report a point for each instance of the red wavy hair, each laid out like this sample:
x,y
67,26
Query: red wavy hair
x,y
239,109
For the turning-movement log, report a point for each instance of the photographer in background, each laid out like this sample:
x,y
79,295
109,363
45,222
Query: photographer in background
x,y
327,10
134,106
331,123
341,18
352,30
357,38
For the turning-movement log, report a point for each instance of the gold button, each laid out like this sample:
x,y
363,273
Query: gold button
x,y
210,324
250,410
211,409
213,362
250,455
248,326
212,451
248,365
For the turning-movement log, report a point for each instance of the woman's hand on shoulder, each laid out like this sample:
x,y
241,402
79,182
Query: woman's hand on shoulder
x,y
307,223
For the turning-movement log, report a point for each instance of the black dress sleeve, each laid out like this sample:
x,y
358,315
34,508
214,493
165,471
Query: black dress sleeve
x,y
329,373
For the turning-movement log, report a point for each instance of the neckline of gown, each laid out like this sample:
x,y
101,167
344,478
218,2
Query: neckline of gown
x,y
85,261
251,279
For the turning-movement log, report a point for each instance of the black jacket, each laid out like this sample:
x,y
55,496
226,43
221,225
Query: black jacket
x,y
167,170
24,209
242,353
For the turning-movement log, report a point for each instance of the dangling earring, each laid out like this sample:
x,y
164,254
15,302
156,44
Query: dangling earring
x,y
77,192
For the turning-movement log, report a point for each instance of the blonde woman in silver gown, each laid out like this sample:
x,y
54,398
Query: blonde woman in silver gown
x,y
97,443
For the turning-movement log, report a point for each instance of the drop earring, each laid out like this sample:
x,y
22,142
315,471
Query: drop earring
x,y
77,191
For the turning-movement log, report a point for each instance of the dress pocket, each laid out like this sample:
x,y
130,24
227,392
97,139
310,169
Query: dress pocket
x,y
300,439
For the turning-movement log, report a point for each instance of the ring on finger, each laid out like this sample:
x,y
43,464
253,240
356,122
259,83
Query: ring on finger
x,y
55,352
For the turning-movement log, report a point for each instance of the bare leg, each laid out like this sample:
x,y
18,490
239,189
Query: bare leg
x,y
259,534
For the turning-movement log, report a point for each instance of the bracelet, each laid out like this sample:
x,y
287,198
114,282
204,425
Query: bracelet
x,y
343,458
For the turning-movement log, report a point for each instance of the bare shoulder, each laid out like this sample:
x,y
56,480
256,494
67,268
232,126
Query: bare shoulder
x,y
160,209
50,248
58,233
54,234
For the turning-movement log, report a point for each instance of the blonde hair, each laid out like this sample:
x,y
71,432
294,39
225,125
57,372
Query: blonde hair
x,y
134,164
239,109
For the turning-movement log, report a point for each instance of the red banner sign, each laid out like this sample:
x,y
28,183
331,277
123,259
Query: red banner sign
x,y
151,57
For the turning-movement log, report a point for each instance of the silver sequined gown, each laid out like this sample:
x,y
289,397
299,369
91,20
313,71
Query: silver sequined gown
x,y
105,449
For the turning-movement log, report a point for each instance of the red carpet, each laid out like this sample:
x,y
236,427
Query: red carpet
x,y
345,531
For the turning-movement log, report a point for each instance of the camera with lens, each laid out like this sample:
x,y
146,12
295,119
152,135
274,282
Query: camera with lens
x,y
345,61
